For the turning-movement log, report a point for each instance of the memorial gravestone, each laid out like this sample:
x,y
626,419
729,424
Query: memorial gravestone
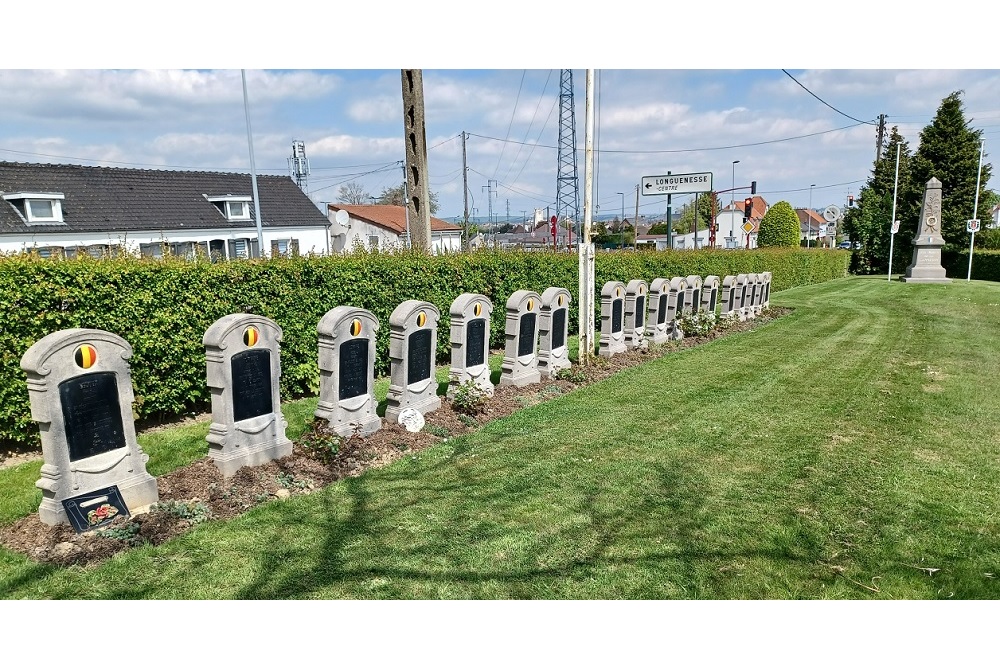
x,y
243,367
347,371
635,314
710,294
612,340
741,296
692,295
520,359
553,332
657,328
753,290
766,301
925,267
412,351
80,390
675,306
731,303
470,342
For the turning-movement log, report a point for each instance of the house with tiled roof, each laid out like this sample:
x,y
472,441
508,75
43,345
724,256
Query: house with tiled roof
x,y
812,226
383,226
729,232
66,210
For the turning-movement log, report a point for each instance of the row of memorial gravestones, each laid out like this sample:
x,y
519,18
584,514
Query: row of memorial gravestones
x,y
81,395
638,313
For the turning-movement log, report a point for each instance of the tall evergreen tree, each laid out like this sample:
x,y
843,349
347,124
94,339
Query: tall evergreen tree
x,y
948,151
868,224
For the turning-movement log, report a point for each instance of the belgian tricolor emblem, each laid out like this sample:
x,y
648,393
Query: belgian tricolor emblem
x,y
250,336
421,319
618,291
355,327
85,356
531,304
478,309
561,299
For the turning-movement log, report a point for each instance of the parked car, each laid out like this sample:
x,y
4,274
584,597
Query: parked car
x,y
844,245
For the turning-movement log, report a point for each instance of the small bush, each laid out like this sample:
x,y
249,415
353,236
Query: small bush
x,y
191,512
320,443
470,398
696,323
779,228
572,374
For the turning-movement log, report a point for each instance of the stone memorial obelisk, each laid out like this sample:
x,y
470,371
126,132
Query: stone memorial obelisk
x,y
926,264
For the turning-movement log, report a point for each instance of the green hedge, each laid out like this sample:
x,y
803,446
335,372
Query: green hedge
x,y
163,307
985,264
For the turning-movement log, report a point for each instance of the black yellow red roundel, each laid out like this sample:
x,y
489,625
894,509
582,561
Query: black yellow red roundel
x,y
250,336
421,318
85,356
478,310
531,304
355,327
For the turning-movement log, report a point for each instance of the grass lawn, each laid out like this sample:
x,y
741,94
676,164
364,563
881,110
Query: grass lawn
x,y
846,451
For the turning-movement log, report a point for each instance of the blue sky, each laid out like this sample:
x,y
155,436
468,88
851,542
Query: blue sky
x,y
649,120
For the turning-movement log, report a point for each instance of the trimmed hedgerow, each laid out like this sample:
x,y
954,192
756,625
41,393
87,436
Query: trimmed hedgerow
x,y
163,307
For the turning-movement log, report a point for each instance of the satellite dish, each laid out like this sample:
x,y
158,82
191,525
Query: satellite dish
x,y
342,218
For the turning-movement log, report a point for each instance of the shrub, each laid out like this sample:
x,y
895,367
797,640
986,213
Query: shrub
x,y
696,323
470,398
779,227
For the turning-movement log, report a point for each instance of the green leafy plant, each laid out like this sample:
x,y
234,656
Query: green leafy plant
x,y
696,323
470,398
779,228
289,481
124,532
572,374
320,443
193,512
468,420
439,431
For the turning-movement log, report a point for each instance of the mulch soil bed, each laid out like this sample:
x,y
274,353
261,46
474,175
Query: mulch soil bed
x,y
198,492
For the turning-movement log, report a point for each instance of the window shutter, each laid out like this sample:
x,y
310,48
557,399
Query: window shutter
x,y
254,248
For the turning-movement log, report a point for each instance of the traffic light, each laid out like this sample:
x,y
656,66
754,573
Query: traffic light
x,y
753,187
747,207
850,201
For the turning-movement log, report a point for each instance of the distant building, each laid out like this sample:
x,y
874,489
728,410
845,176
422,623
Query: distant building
x,y
382,226
813,226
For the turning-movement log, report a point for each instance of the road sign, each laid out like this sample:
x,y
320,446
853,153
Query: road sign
x,y
748,227
831,228
831,213
895,226
972,226
677,184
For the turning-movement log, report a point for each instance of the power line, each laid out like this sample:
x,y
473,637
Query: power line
x,y
821,100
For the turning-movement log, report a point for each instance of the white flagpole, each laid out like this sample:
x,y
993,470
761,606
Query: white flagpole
x,y
975,208
892,223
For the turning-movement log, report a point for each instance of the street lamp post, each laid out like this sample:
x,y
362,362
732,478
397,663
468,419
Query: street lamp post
x,y
809,220
732,206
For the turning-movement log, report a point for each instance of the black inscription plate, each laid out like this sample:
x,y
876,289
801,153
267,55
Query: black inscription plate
x,y
640,312
743,295
92,414
526,339
353,368
419,360
475,343
558,328
616,315
88,511
661,311
680,302
712,295
251,384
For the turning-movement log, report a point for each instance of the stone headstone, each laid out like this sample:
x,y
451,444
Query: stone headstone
x,y
657,326
80,390
553,332
612,339
347,371
636,293
470,342
767,289
243,365
925,267
692,295
710,294
730,296
742,296
675,306
753,286
520,359
412,352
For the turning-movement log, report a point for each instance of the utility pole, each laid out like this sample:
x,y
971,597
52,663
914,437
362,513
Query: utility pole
x,y
879,136
465,191
416,157
586,251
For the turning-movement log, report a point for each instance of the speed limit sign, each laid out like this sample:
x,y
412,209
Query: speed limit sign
x,y
972,226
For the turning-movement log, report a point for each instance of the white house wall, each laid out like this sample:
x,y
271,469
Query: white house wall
x,y
311,239
363,233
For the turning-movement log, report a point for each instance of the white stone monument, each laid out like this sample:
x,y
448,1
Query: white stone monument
x,y
710,294
347,371
657,327
553,332
636,292
412,352
612,339
925,267
470,342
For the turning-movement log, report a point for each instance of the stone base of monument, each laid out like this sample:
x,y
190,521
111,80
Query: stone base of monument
x,y
550,364
925,267
519,375
418,396
611,347
242,450
346,420
480,379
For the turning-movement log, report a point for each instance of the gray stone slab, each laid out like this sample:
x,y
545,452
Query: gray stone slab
x,y
636,296
675,306
710,294
80,391
926,267
520,359
347,342
657,326
612,338
243,367
412,352
692,295
742,292
767,289
470,342
553,331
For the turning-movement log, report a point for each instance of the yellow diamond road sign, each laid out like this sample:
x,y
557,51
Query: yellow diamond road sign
x,y
748,227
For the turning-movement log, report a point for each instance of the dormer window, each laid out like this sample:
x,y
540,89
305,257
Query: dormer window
x,y
38,208
234,207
